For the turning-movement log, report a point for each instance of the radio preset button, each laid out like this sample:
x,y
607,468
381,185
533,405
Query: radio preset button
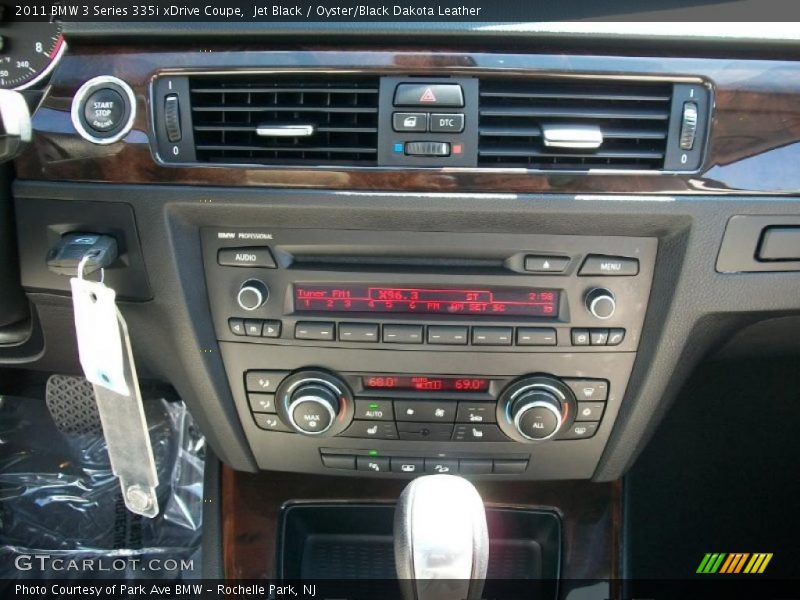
x,y
374,410
492,336
448,335
312,330
580,337
546,264
358,332
616,266
476,412
368,429
402,334
588,389
425,410
478,433
536,336
253,256
421,432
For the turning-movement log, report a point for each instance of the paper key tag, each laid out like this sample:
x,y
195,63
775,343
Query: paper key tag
x,y
99,342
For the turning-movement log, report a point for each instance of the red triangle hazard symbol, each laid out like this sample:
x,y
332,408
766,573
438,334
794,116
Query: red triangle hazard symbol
x,y
428,96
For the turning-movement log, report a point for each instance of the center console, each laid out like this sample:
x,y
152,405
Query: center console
x,y
392,353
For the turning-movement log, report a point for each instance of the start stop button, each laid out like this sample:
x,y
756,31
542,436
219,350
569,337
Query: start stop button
x,y
103,110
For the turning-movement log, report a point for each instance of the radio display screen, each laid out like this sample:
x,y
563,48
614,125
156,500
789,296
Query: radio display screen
x,y
424,383
477,301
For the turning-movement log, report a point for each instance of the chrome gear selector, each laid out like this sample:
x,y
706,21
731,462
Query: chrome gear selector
x,y
441,541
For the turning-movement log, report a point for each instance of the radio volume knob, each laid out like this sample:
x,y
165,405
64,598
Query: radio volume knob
x,y
537,414
601,303
253,294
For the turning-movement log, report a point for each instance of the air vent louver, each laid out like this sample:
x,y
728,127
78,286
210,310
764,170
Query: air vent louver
x,y
633,119
228,110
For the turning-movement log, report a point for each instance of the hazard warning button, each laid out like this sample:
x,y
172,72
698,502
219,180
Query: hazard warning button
x,y
428,94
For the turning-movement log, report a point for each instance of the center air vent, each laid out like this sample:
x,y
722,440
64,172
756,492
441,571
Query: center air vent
x,y
285,119
552,124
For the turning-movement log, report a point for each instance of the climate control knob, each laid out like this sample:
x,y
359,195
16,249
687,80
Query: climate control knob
x,y
601,303
536,414
253,294
535,408
315,402
313,408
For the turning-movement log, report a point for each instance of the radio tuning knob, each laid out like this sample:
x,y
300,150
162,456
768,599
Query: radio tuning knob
x,y
601,303
253,294
313,408
537,414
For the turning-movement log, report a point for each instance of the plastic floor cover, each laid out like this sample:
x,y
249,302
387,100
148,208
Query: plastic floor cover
x,y
60,500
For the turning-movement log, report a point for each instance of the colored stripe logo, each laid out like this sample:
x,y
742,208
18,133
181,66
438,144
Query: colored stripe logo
x,y
735,562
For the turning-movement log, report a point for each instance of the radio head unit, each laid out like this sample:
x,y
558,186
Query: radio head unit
x,y
475,351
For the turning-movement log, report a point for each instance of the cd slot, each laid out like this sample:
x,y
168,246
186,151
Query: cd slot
x,y
396,263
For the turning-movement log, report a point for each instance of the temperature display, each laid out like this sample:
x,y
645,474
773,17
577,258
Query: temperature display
x,y
485,301
427,384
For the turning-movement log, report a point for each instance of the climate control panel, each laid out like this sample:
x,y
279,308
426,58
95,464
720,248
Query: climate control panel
x,y
530,409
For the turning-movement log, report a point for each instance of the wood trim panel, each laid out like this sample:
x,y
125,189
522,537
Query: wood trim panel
x,y
753,148
251,504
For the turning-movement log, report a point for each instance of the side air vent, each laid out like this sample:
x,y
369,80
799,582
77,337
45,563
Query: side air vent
x,y
538,124
285,119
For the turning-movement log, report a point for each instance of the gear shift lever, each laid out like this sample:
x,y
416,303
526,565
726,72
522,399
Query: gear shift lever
x,y
440,539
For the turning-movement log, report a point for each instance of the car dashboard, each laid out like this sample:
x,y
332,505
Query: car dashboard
x,y
498,254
